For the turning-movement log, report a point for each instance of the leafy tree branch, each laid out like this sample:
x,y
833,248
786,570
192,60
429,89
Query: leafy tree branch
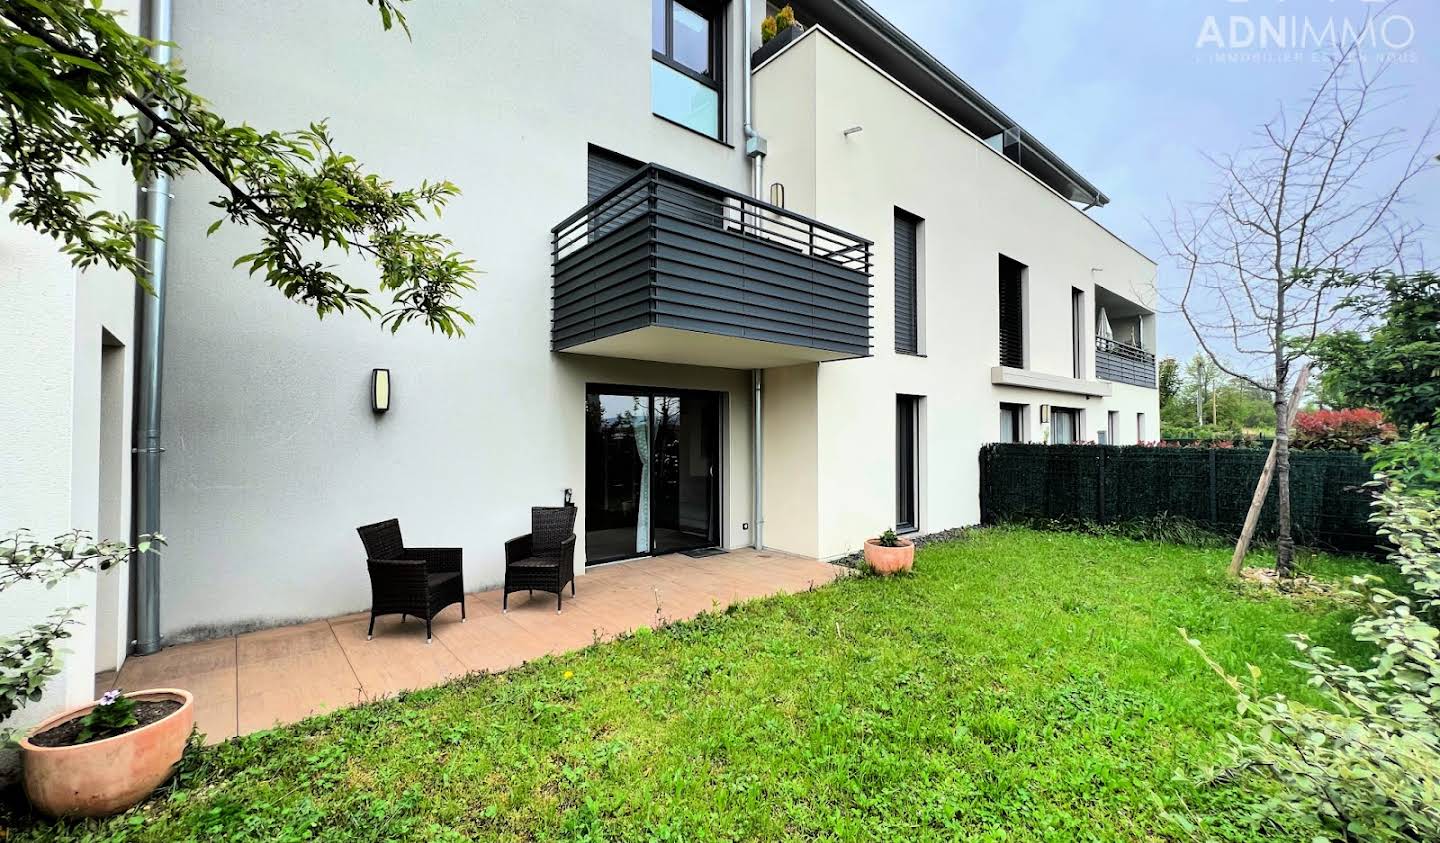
x,y
76,89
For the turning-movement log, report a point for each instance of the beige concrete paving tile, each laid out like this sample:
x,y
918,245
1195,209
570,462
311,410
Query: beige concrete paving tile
x,y
397,659
288,674
206,669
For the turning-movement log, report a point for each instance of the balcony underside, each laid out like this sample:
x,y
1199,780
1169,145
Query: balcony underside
x,y
694,348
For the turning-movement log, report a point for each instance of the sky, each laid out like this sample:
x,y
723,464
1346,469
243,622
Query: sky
x,y
1134,93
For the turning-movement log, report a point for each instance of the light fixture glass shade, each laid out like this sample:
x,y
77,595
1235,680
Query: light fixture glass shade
x,y
379,390
1044,413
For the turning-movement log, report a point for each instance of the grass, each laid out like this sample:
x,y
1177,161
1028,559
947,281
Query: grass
x,y
1019,686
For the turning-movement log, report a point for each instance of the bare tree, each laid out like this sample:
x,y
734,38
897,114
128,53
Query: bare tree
x,y
1293,214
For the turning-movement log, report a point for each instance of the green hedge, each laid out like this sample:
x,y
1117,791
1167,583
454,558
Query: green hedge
x,y
1211,487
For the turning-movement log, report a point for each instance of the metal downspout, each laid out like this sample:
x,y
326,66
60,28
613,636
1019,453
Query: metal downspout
x,y
755,152
757,379
149,370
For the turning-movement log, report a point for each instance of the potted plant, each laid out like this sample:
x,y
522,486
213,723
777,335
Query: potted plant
x,y
775,32
102,758
889,554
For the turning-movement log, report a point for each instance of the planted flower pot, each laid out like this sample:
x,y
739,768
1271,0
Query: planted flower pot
x,y
889,560
106,776
781,40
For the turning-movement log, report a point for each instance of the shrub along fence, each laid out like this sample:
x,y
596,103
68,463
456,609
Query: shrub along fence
x,y
1211,487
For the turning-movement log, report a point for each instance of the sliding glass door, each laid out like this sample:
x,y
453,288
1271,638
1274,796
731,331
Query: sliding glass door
x,y
651,472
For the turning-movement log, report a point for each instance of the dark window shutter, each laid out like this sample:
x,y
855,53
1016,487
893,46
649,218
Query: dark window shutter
x,y
907,271
606,170
1012,315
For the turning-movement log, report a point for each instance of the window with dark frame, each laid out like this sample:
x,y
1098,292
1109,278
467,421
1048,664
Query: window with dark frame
x,y
1077,332
907,283
1012,313
1012,423
687,68
907,475
1064,426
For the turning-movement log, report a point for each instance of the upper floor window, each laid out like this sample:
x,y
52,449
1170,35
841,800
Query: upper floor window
x,y
686,76
907,283
1012,313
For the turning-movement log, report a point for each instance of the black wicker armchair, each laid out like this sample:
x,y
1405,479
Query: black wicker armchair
x,y
419,581
544,558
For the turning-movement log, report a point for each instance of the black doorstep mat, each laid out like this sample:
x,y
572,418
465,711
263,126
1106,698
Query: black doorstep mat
x,y
702,552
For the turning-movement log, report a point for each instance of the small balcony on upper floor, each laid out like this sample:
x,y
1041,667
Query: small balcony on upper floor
x,y
1124,337
670,268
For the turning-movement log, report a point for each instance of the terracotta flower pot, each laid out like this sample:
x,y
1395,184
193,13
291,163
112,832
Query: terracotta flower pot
x,y
107,776
889,560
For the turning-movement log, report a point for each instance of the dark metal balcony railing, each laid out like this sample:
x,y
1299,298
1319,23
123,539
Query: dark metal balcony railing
x,y
666,249
1124,363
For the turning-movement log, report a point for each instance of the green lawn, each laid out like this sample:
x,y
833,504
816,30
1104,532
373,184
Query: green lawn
x,y
1019,686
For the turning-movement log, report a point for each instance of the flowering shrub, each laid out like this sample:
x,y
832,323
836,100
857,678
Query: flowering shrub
x,y
30,657
1366,765
1341,430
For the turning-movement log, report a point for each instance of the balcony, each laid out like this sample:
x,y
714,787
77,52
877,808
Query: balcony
x,y
1124,363
669,268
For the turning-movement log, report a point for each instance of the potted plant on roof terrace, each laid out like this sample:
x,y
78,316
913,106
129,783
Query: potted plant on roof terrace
x,y
777,31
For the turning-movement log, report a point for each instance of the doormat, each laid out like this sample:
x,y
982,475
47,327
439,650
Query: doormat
x,y
702,552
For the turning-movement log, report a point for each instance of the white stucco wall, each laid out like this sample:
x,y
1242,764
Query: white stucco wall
x,y
273,454
976,205
52,439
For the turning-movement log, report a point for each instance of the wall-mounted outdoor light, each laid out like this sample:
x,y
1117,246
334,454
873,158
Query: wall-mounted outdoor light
x,y
379,390
1044,413
777,195
853,130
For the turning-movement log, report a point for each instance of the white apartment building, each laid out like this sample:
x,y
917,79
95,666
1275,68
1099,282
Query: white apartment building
x,y
887,275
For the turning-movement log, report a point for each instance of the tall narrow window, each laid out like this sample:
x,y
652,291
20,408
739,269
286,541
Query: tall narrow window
x,y
907,283
1012,423
1012,313
1064,425
1077,332
686,79
907,475
1112,424
1139,427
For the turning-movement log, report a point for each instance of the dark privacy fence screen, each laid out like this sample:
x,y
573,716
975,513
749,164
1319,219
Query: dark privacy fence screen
x,y
1209,486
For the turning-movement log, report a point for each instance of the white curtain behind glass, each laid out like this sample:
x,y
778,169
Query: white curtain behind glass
x,y
640,423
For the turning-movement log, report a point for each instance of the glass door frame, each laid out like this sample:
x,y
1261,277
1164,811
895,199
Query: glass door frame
x,y
717,479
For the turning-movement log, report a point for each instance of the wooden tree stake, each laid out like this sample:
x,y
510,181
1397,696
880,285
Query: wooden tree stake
x,y
1257,503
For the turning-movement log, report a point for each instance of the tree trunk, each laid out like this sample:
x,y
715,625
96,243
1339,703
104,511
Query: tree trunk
x,y
1284,541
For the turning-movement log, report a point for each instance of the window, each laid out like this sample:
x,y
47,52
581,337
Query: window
x,y
1012,313
1012,423
907,479
907,283
1077,332
1064,425
685,71
1112,420
1139,427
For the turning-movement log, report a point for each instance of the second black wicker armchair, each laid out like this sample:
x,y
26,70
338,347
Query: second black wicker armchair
x,y
417,581
544,558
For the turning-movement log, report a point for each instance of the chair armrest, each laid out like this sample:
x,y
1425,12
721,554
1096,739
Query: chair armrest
x,y
518,548
398,572
567,556
442,560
